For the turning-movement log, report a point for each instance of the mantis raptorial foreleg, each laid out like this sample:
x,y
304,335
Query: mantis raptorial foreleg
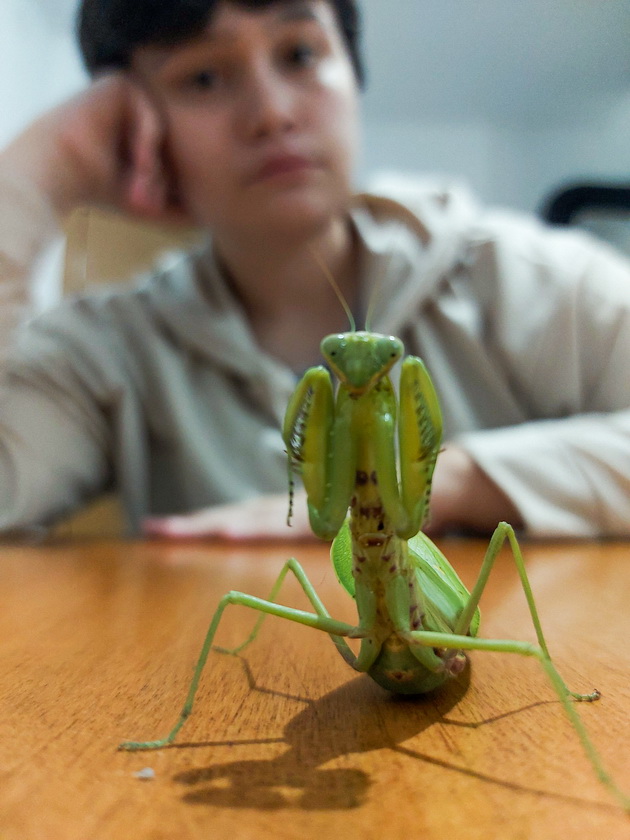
x,y
326,436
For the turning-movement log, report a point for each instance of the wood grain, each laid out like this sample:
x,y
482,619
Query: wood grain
x,y
97,644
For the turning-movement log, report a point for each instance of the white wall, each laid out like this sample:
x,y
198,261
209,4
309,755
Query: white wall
x,y
515,96
39,64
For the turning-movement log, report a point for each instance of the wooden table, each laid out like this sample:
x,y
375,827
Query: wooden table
x,y
97,643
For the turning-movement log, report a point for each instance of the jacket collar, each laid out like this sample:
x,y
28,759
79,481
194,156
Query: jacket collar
x,y
411,235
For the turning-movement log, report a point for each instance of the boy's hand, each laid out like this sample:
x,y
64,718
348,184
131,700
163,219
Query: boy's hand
x,y
105,146
258,518
464,498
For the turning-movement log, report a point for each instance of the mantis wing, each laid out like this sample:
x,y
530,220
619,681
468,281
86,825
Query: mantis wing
x,y
341,556
443,591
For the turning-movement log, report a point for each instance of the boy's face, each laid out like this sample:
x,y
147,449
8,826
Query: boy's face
x,y
261,114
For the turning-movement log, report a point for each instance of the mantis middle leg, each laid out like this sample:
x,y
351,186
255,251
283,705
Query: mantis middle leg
x,y
320,620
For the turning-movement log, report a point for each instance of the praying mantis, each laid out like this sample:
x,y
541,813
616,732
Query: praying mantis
x,y
366,459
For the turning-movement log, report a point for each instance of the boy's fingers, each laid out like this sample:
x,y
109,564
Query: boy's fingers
x,y
262,518
151,189
147,187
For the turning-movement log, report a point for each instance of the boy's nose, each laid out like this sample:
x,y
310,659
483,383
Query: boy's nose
x,y
268,105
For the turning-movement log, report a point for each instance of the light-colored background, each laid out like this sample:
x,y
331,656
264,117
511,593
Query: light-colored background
x,y
514,96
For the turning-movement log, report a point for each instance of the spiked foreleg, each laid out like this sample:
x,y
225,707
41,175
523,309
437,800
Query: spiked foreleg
x,y
321,449
420,435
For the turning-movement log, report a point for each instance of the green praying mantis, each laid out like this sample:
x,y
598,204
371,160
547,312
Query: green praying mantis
x,y
366,459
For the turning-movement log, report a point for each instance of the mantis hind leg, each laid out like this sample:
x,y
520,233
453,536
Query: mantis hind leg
x,y
460,641
504,532
450,641
320,620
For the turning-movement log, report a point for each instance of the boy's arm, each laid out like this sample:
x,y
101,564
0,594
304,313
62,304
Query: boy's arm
x,y
558,319
102,147
27,225
105,147
52,458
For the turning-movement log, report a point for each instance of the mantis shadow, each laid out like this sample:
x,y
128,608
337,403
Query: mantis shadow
x,y
357,717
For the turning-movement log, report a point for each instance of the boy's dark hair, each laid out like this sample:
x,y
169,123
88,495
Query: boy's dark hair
x,y
110,30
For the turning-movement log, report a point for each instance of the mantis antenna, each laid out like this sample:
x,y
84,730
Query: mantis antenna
x,y
375,292
335,287
371,308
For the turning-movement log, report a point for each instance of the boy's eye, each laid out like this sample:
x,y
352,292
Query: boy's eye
x,y
195,80
301,55
203,80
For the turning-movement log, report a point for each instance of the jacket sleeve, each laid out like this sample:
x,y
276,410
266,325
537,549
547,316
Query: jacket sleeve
x,y
557,321
27,226
53,455
567,478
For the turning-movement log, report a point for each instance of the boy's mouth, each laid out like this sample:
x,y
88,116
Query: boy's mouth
x,y
284,165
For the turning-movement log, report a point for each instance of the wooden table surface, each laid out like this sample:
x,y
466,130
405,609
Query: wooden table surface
x,y
97,644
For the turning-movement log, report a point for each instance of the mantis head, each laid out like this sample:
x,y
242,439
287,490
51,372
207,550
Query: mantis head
x,y
360,359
